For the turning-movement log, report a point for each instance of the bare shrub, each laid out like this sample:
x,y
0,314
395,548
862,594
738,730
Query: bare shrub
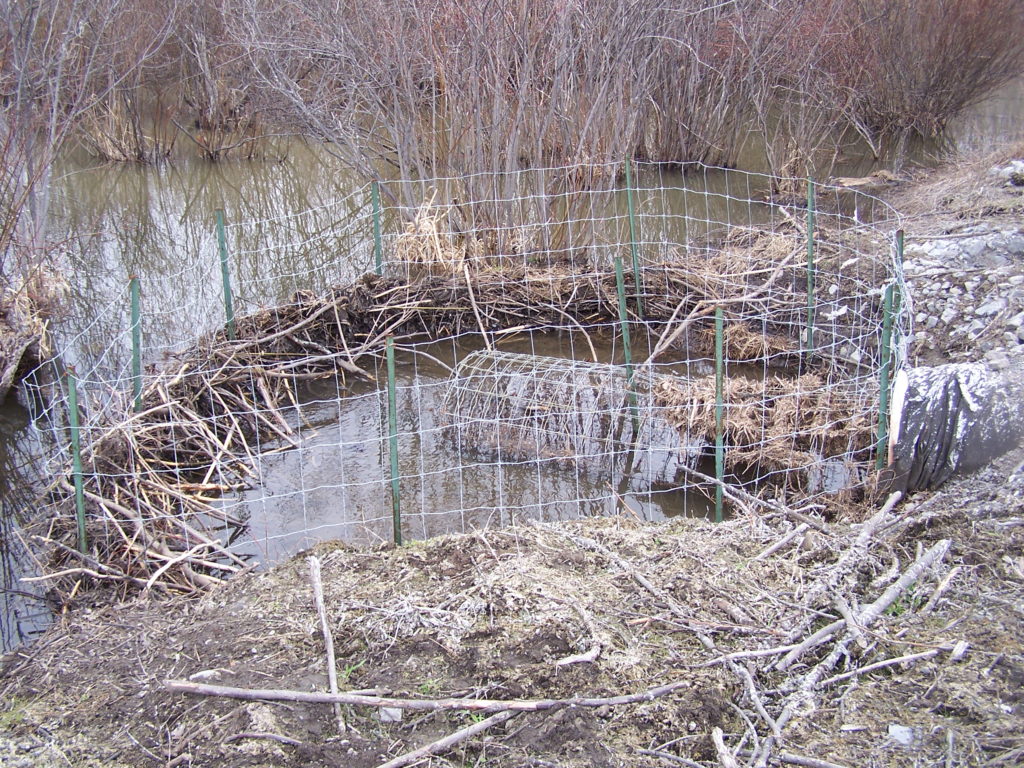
x,y
57,60
910,66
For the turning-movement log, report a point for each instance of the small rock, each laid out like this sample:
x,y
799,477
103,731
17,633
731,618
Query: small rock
x,y
974,247
991,307
1010,173
1020,334
390,715
997,359
901,734
1015,280
948,315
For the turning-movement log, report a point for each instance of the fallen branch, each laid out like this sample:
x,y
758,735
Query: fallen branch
x,y
881,665
361,700
325,627
783,541
272,736
446,743
725,758
803,695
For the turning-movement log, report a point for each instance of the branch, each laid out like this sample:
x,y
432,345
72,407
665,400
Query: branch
x,y
446,743
362,700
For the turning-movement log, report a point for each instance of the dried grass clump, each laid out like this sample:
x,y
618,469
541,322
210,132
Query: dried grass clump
x,y
745,260
744,344
430,240
775,426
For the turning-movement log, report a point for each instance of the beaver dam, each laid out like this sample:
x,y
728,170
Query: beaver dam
x,y
553,360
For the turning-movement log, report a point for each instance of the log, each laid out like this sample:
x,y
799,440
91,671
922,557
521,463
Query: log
x,y
951,419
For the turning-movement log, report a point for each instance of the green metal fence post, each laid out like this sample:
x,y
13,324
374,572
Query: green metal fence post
x,y
229,307
133,283
897,297
76,458
719,412
883,378
620,290
810,264
638,277
396,509
378,248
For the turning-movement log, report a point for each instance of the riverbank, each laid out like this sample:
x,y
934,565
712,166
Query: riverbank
x,y
712,633
601,609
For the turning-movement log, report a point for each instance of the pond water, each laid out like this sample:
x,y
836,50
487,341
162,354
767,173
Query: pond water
x,y
336,485
291,225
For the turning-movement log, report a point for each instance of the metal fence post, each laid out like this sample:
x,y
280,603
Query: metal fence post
x,y
396,509
229,307
378,248
719,412
76,458
638,278
810,265
136,344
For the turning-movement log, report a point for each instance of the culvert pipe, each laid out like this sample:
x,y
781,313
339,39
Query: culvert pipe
x,y
953,418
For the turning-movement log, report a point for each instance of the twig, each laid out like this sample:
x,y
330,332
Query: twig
x,y
783,541
272,736
446,743
476,309
880,665
670,757
939,590
816,639
321,609
807,762
749,655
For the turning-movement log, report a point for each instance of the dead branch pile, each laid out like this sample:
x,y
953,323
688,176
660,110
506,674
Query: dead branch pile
x,y
153,478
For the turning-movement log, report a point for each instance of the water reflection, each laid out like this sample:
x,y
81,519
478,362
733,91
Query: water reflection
x,y
336,484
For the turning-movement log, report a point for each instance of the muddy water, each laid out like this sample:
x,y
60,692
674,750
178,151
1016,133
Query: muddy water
x,y
158,223
337,483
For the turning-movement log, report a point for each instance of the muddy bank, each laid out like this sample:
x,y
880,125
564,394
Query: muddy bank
x,y
602,608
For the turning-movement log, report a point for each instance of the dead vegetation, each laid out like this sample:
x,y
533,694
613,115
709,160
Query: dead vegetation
x,y
962,191
152,478
764,640
779,427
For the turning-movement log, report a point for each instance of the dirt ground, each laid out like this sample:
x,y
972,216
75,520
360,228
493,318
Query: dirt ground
x,y
888,638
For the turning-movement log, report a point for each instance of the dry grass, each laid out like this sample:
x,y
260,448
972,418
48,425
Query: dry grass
x,y
778,427
962,190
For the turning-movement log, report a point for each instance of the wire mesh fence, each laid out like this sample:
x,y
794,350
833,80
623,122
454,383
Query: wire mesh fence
x,y
557,357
